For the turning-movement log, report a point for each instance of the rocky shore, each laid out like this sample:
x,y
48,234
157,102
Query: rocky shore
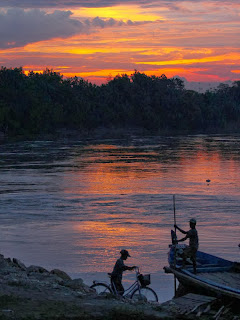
x,y
36,293
33,293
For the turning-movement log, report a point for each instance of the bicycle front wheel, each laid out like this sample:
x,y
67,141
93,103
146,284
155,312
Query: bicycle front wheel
x,y
145,294
101,288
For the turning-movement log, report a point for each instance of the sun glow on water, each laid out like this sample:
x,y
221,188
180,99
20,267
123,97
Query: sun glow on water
x,y
75,205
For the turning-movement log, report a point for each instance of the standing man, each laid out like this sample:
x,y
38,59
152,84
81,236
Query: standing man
x,y
116,276
191,250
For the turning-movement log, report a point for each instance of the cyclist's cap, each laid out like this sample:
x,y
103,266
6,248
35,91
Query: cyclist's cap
x,y
194,221
125,253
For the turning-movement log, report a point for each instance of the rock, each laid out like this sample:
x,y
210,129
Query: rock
x,y
78,285
61,274
37,269
87,289
20,283
7,312
19,264
5,263
74,284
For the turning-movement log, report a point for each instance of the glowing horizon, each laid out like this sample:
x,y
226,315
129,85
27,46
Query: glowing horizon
x,y
194,40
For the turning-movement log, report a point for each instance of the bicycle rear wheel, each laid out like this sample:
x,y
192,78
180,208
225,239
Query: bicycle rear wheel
x,y
145,294
101,288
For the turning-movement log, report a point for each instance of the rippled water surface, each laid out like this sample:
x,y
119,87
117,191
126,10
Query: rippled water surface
x,y
73,205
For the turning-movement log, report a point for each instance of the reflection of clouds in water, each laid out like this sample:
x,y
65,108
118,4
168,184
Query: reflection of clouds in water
x,y
106,239
88,201
179,166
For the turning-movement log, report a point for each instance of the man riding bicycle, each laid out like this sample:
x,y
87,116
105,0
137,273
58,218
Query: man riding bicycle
x,y
116,276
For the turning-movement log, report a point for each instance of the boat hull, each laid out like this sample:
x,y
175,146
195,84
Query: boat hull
x,y
215,276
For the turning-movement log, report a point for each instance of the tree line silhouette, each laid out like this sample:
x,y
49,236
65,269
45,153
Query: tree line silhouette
x,y
45,102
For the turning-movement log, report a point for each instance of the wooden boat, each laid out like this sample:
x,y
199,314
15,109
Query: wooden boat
x,y
215,276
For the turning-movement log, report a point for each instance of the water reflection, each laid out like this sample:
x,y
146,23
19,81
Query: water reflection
x,y
115,170
74,204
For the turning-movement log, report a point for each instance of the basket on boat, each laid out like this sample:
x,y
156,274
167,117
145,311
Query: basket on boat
x,y
145,280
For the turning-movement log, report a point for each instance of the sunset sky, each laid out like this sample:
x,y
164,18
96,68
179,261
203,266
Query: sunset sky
x,y
98,39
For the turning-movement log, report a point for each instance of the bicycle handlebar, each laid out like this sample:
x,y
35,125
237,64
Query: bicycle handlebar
x,y
137,269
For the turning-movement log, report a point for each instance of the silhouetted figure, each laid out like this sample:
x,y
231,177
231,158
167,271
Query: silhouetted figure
x,y
116,276
191,250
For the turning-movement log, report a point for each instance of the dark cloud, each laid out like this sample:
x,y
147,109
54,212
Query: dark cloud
x,y
103,23
19,27
97,22
94,3
64,3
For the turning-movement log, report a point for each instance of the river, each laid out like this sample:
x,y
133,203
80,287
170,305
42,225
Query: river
x,y
74,204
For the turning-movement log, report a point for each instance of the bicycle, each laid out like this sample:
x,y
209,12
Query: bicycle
x,y
137,291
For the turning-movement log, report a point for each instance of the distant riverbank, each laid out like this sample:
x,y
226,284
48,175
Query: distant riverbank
x,y
45,103
111,132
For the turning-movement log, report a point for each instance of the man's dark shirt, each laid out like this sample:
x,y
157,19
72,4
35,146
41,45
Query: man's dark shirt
x,y
193,238
118,269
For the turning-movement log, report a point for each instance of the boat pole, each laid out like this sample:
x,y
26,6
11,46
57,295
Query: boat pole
x,y
174,210
175,229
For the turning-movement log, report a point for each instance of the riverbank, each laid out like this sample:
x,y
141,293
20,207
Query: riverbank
x,y
34,293
114,133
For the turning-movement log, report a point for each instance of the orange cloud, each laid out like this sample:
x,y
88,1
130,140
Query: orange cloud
x,y
191,39
235,71
231,56
120,12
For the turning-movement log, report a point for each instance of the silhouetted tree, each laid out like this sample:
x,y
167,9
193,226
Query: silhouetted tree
x,y
45,102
